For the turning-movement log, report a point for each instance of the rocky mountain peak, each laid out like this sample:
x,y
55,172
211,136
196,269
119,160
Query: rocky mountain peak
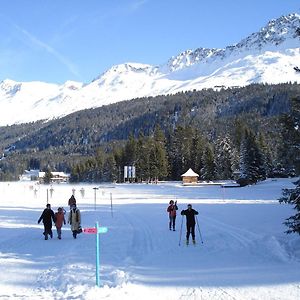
x,y
274,33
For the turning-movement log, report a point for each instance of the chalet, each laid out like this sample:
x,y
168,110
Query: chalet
x,y
57,177
189,177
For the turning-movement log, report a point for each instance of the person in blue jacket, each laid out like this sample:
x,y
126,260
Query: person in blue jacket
x,y
190,222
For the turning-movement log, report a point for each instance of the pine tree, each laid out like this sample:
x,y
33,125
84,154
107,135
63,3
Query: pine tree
x,y
208,171
176,160
289,152
198,146
118,156
75,173
130,151
34,163
251,160
110,170
224,158
181,151
47,177
143,159
266,155
92,168
160,154
292,197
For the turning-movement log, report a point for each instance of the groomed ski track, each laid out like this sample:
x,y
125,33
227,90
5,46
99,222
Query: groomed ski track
x,y
244,255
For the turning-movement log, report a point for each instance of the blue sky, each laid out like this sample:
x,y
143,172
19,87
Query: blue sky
x,y
59,40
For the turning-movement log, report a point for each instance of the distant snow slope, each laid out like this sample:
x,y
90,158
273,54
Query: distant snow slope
x,y
268,56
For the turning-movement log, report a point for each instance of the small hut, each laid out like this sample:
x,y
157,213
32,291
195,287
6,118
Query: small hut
x,y
189,177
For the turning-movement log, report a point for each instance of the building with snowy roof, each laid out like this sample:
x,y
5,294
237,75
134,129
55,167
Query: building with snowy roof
x,y
29,175
189,177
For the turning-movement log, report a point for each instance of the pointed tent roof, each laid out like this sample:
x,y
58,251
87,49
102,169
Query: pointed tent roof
x,y
190,173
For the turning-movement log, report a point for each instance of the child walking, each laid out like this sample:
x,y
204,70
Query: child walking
x,y
59,221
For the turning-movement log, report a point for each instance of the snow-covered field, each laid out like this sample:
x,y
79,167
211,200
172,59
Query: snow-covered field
x,y
245,253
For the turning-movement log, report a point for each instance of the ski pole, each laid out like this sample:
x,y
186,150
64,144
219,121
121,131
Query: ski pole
x,y
199,230
180,231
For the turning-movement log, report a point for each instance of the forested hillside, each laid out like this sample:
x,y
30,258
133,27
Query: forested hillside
x,y
163,136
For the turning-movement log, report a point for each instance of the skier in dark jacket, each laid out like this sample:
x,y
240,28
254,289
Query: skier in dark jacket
x,y
47,216
190,222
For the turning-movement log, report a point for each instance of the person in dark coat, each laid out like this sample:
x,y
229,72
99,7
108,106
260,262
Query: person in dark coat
x,y
72,201
190,222
47,216
172,214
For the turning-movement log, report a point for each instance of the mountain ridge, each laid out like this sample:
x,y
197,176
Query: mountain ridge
x,y
267,56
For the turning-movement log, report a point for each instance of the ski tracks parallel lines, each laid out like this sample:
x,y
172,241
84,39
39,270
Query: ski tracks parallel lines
x,y
245,237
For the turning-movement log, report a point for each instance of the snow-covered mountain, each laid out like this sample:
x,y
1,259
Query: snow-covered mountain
x,y
267,56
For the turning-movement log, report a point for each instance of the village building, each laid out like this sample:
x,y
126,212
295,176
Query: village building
x,y
189,177
57,177
30,175
36,175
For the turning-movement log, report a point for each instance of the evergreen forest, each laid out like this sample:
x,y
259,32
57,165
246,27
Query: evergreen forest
x,y
249,133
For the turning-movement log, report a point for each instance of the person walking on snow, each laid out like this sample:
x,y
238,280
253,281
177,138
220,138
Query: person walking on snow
x,y
75,220
47,216
59,221
172,214
71,201
190,222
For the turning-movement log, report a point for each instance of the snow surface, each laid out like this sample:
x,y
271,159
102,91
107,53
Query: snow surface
x,y
245,253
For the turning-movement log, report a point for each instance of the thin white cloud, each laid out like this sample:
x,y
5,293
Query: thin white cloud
x,y
118,11
35,41
137,4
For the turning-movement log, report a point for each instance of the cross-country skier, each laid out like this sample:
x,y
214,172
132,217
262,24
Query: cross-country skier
x,y
190,222
47,217
172,214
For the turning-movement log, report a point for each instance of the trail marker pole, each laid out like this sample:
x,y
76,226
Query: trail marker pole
x,y
111,205
95,197
96,230
97,256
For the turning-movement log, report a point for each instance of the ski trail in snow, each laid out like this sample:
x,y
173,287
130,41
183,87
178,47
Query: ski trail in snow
x,y
243,236
270,247
142,238
189,294
217,293
147,237
140,258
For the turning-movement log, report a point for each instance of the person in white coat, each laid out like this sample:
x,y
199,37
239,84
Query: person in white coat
x,y
75,220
